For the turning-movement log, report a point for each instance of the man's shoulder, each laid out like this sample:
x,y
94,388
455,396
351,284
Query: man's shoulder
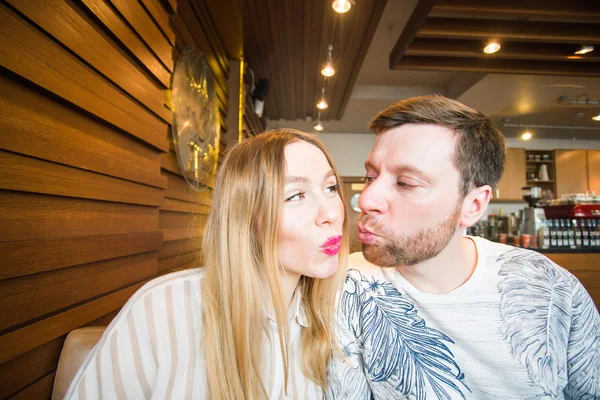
x,y
499,253
361,269
357,261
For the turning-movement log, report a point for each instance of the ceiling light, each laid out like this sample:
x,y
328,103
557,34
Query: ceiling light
x,y
596,118
318,126
526,136
585,49
321,105
492,47
328,69
341,6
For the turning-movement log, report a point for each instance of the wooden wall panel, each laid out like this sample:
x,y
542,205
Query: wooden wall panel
x,y
118,27
68,286
61,20
27,51
93,203
571,168
31,366
30,122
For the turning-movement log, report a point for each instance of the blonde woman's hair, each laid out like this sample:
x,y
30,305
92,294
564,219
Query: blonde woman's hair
x,y
240,253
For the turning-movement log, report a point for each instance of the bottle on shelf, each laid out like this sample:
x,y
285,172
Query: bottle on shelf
x,y
585,234
544,236
559,233
596,232
577,231
553,233
570,233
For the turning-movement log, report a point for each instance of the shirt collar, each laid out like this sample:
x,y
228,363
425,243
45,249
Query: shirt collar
x,y
296,311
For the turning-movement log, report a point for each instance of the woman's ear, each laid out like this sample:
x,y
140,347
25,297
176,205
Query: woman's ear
x,y
474,205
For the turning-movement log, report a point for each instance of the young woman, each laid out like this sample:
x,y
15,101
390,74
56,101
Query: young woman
x,y
256,320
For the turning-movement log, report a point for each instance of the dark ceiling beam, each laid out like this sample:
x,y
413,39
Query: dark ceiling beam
x,y
500,66
548,10
454,28
415,22
510,50
364,39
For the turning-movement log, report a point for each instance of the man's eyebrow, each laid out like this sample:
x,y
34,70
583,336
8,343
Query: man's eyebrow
x,y
403,168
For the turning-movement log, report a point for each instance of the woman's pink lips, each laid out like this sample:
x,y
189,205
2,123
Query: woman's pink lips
x,y
332,245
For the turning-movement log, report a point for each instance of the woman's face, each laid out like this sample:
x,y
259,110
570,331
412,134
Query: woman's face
x,y
313,214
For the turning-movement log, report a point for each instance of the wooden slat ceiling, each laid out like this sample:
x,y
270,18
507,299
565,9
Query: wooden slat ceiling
x,y
286,43
537,37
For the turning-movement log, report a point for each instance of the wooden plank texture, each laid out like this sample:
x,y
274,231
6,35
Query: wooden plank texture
x,y
22,173
53,254
27,51
70,28
141,22
130,40
31,366
18,342
35,125
25,216
67,286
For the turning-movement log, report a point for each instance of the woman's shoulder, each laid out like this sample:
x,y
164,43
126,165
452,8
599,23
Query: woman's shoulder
x,y
168,285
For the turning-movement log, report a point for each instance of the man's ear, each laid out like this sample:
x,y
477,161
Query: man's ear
x,y
474,205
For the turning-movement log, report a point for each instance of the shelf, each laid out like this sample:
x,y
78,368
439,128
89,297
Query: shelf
x,y
540,162
534,181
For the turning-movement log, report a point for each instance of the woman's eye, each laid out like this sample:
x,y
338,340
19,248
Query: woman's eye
x,y
295,197
332,188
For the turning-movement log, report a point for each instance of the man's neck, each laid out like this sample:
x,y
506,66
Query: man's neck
x,y
450,269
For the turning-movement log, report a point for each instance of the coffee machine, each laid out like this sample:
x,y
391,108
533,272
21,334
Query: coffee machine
x,y
533,217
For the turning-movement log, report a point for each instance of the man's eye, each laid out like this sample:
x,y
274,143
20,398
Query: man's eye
x,y
405,185
367,179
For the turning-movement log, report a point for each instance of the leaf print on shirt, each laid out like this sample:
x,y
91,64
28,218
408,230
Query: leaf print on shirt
x,y
535,307
584,347
399,348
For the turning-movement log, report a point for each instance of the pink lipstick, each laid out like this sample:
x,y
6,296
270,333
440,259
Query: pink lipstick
x,y
332,245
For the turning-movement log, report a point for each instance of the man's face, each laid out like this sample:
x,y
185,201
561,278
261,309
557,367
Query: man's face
x,y
411,204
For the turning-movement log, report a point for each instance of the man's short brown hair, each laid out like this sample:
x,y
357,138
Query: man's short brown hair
x,y
480,148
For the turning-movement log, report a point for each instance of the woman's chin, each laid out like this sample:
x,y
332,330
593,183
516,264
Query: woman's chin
x,y
324,270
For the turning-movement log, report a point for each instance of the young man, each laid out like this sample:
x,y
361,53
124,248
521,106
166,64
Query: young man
x,y
428,313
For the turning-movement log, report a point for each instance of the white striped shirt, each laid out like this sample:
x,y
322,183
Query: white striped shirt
x,y
151,350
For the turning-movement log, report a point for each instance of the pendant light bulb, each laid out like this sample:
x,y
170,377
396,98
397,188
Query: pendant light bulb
x,y
322,104
318,127
328,70
341,6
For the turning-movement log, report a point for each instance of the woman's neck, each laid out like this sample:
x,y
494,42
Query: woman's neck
x,y
287,284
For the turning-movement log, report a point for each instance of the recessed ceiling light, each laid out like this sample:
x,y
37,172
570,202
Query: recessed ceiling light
x,y
341,6
492,47
596,118
585,49
526,136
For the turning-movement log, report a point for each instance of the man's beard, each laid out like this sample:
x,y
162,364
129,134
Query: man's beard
x,y
409,249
